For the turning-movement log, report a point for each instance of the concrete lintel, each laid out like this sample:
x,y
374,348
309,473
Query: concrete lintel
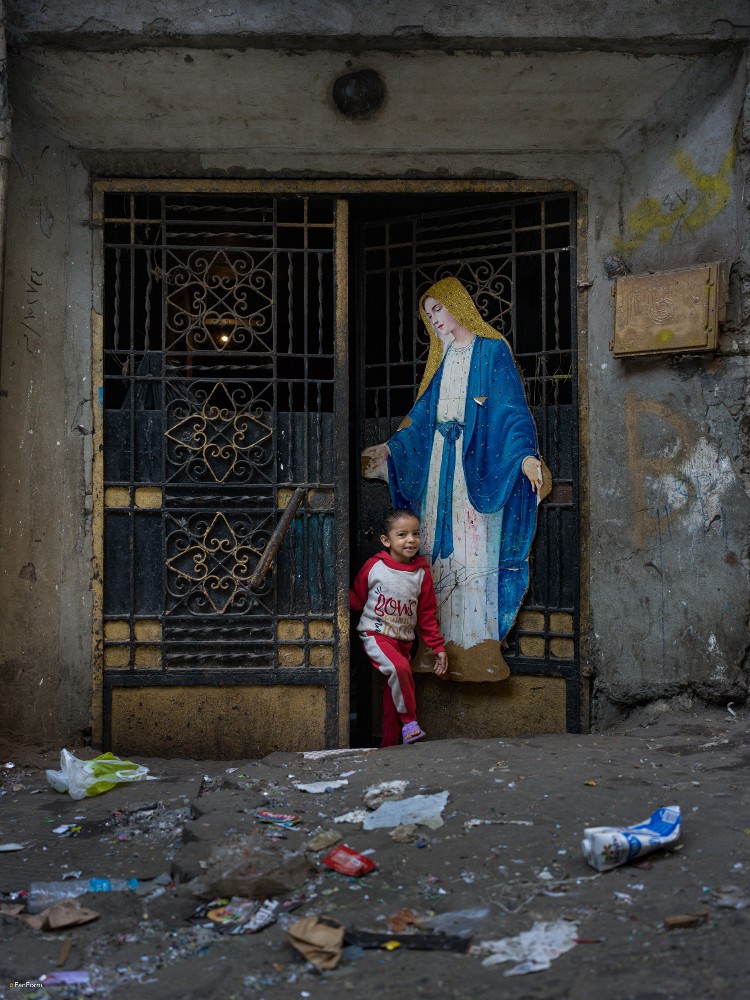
x,y
673,25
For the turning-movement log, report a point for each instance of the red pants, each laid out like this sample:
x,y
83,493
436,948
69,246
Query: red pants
x,y
391,658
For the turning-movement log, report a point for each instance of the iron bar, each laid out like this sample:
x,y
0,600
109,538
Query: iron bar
x,y
274,543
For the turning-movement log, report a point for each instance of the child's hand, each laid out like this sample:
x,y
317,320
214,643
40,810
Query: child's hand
x,y
441,663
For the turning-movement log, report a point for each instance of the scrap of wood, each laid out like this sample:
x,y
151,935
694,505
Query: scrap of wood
x,y
685,920
67,947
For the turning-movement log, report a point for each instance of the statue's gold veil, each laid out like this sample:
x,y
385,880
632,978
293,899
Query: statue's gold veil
x,y
451,294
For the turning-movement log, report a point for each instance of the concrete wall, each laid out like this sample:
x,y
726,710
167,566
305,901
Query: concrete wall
x,y
45,456
651,121
669,459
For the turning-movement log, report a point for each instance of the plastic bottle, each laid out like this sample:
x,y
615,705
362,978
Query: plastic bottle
x,y
44,894
606,847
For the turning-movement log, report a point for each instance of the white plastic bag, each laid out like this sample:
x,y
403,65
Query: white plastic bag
x,y
82,778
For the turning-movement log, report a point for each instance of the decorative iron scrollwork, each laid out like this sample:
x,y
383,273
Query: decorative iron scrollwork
x,y
220,301
490,284
213,572
221,430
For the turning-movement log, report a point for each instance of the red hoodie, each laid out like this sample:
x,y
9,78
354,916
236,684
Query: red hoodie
x,y
394,597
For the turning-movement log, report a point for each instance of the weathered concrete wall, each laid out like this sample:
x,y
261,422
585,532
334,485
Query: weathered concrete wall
x,y
667,579
669,497
357,24
44,458
5,126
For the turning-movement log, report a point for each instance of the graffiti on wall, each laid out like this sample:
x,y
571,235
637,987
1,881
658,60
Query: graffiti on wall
x,y
680,478
31,318
705,197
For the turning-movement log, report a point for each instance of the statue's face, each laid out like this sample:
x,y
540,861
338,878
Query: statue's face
x,y
442,321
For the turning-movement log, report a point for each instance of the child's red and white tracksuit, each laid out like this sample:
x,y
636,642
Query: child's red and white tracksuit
x,y
394,597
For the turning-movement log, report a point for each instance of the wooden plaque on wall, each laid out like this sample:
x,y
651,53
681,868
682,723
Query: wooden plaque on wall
x,y
670,312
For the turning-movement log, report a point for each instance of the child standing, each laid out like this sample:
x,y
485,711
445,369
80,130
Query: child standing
x,y
394,592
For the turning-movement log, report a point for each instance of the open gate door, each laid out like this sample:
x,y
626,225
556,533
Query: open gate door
x,y
221,458
516,257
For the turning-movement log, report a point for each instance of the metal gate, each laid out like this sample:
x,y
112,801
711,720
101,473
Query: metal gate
x,y
223,377
517,259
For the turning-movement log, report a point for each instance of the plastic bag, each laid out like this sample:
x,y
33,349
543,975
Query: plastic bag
x,y
423,809
82,778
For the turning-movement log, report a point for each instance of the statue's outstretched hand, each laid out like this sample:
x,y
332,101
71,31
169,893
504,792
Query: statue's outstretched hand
x,y
374,461
532,469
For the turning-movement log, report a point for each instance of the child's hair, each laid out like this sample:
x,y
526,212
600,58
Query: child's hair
x,y
392,516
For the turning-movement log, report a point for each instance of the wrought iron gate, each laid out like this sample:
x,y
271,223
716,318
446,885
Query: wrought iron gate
x,y
222,383
517,259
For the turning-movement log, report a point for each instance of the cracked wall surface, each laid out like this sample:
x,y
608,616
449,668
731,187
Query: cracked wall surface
x,y
650,119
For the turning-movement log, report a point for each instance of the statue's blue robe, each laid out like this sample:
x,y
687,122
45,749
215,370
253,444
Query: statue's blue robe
x,y
498,434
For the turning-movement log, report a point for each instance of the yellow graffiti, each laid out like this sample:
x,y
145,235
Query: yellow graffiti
x,y
711,194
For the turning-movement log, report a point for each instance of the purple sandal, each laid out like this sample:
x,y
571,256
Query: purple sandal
x,y
412,732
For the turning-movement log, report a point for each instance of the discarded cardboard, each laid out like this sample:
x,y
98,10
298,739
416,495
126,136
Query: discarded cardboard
x,y
66,913
320,940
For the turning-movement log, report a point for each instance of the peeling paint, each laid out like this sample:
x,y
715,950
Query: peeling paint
x,y
696,492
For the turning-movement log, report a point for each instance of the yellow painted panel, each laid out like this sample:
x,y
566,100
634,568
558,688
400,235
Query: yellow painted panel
x,y
520,706
148,497
148,656
117,630
117,656
117,496
320,629
531,621
321,656
532,646
283,496
148,631
562,647
291,656
560,622
217,722
286,630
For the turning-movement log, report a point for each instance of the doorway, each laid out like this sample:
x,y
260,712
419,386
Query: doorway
x,y
254,338
516,257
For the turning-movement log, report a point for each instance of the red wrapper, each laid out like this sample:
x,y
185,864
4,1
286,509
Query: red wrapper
x,y
343,859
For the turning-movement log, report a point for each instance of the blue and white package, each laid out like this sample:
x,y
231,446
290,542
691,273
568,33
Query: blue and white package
x,y
606,847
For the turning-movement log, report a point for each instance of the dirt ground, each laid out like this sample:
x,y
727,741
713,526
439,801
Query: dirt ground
x,y
523,867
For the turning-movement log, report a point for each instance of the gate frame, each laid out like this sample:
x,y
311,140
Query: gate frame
x,y
342,190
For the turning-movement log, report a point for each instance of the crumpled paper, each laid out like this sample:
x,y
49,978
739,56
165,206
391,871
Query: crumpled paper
x,y
534,950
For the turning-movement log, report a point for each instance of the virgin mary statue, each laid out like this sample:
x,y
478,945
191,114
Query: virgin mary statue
x,y
466,461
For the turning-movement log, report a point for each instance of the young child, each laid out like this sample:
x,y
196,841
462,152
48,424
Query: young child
x,y
394,592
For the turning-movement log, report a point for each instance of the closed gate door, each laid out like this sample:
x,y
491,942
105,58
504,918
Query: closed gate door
x,y
222,462
516,258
